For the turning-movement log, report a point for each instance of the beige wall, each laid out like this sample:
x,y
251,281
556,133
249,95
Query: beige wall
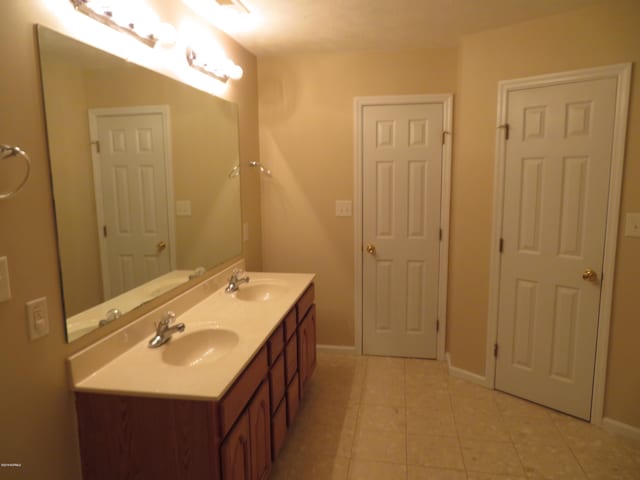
x,y
599,35
306,139
73,184
38,425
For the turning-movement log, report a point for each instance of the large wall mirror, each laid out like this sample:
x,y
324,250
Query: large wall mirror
x,y
145,179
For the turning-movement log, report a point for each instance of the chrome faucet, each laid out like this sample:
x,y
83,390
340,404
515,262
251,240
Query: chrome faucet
x,y
235,281
198,272
164,330
112,314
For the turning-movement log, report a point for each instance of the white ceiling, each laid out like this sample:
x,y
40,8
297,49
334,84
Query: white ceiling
x,y
303,26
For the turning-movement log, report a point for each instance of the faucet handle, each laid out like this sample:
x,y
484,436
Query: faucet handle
x,y
167,318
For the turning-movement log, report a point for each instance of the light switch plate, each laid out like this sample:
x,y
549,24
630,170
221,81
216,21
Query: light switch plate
x,y
38,318
5,287
343,208
183,208
632,225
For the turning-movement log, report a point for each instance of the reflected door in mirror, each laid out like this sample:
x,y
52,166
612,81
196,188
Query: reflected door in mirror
x,y
132,198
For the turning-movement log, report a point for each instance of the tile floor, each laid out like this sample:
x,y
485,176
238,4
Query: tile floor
x,y
370,418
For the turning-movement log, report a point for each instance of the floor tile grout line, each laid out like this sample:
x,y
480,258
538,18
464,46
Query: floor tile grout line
x,y
455,424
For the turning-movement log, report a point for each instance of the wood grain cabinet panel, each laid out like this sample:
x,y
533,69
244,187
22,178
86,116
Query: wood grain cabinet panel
x,y
279,428
307,347
236,452
276,343
241,391
260,429
305,302
293,400
277,382
291,357
290,323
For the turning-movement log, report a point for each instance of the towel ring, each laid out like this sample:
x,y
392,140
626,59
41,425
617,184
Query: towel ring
x,y
7,151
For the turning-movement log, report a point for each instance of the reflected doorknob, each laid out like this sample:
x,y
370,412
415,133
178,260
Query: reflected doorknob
x,y
161,246
371,248
589,275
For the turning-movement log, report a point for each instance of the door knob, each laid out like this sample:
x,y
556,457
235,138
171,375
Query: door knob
x,y
161,246
371,248
589,275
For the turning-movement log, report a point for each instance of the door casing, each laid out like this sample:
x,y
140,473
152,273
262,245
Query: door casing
x,y
94,113
622,72
447,107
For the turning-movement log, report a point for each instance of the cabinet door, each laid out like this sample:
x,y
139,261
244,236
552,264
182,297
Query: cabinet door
x,y
260,431
307,347
236,451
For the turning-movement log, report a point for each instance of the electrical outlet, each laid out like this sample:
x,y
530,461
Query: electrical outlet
x,y
632,225
38,318
5,287
343,208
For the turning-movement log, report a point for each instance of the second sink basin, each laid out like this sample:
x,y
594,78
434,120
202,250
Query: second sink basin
x,y
199,347
260,291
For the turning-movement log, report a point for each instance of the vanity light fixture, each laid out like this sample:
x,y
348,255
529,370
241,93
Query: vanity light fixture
x,y
220,68
132,17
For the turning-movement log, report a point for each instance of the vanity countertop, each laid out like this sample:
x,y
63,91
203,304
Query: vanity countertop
x,y
143,371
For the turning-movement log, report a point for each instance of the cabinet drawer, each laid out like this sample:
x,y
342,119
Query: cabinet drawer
x,y
276,343
278,428
290,323
291,357
305,301
241,391
293,400
277,382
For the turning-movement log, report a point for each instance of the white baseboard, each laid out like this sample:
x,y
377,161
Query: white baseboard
x,y
465,374
343,349
614,426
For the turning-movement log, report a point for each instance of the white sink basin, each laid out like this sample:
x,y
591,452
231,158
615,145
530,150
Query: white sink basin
x,y
199,347
260,291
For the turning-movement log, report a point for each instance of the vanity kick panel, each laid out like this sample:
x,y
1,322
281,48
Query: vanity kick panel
x,y
234,438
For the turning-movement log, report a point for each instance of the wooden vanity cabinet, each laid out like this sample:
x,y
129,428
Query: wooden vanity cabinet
x,y
236,451
235,438
307,347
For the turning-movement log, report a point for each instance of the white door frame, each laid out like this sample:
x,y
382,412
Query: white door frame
x,y
622,72
94,113
447,109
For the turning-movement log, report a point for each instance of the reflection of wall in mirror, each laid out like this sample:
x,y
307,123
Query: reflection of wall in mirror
x,y
68,131
200,123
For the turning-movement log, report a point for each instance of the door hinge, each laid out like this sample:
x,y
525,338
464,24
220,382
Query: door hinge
x,y
444,137
506,130
437,326
104,231
495,350
501,245
440,235
97,144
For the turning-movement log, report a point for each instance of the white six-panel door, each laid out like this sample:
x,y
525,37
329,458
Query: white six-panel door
x,y
401,189
557,166
133,199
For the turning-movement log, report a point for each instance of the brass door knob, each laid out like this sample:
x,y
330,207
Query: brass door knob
x,y
589,275
371,248
161,246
